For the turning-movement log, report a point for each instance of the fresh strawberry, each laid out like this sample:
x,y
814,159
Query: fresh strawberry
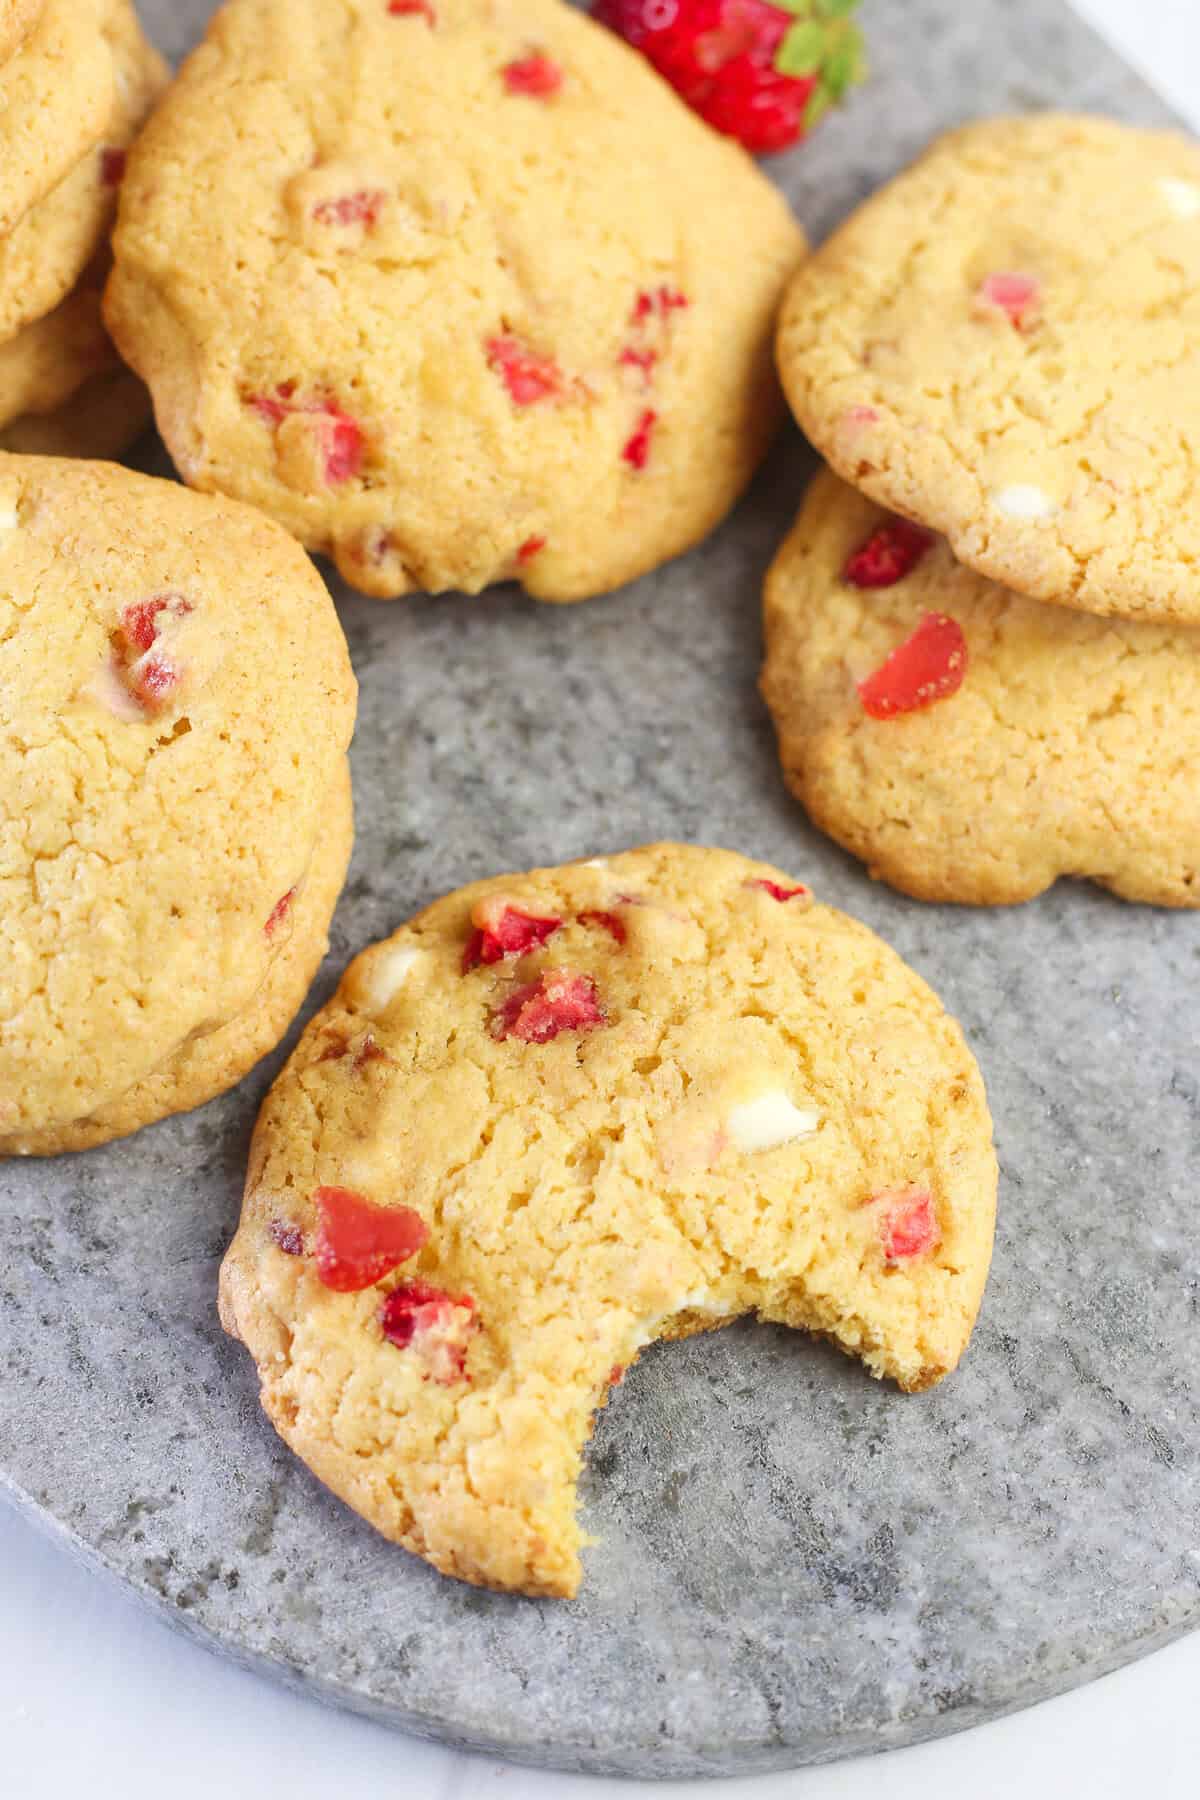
x,y
761,73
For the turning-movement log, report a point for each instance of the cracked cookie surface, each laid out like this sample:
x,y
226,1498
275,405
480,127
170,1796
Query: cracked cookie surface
x,y
177,703
1068,748
210,1065
447,327
56,95
560,1115
1004,345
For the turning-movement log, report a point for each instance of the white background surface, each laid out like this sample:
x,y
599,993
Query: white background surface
x,y
99,1698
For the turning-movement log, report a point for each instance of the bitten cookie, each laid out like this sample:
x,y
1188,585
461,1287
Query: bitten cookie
x,y
967,743
207,1066
176,706
561,1115
56,94
1004,345
460,294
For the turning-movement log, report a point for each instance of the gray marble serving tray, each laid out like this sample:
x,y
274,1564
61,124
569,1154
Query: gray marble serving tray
x,y
794,1563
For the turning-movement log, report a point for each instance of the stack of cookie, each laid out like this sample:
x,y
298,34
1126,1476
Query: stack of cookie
x,y
984,666
77,79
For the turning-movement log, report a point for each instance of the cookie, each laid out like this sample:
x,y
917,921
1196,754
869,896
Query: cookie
x,y
102,420
1004,345
49,361
56,96
44,257
560,1115
459,294
178,703
17,18
211,1065
965,742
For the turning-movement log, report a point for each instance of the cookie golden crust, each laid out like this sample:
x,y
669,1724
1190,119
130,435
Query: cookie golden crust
x,y
450,330
17,19
56,95
1004,345
102,420
43,258
212,1064
49,361
1069,749
607,1103
175,704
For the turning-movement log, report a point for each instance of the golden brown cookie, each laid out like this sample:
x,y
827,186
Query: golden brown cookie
x,y
1004,345
56,95
102,420
177,703
210,1065
560,1115
1061,744
43,258
49,361
449,330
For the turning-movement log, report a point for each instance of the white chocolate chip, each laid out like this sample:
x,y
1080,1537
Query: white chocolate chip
x,y
1024,501
9,517
1183,197
389,975
768,1121
107,689
597,862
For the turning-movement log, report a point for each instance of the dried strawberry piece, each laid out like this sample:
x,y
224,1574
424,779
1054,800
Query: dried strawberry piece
x,y
528,377
361,208
640,359
616,1375
607,921
279,913
1019,297
536,75
343,446
142,622
401,9
559,1000
780,893
286,1237
358,1243
530,548
435,1324
657,302
113,164
888,555
504,930
907,1222
637,451
929,666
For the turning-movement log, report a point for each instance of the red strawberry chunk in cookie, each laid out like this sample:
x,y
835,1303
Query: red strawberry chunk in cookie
x,y
1019,297
149,672
342,445
142,622
502,929
929,666
637,451
528,377
606,921
657,302
279,913
530,548
888,555
536,75
358,1243
434,1324
286,1237
906,1219
361,208
781,893
557,1001
403,9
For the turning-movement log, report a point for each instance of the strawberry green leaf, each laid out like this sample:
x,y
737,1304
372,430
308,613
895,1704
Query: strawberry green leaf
x,y
842,67
802,50
834,9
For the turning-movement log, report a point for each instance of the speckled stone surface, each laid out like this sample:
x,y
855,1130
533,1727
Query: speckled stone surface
x,y
794,1563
